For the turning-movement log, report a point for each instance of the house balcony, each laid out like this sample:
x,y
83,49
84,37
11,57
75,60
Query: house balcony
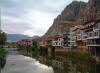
x,y
61,49
96,29
79,39
93,45
83,47
94,35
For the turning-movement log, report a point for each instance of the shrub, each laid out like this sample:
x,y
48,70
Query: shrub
x,y
84,57
3,52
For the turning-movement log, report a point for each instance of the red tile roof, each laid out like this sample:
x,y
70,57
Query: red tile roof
x,y
50,39
35,39
24,40
58,37
91,21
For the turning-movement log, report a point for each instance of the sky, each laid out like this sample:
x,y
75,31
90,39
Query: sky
x,y
30,17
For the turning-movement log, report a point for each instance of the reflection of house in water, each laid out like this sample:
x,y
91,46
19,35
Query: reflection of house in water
x,y
68,66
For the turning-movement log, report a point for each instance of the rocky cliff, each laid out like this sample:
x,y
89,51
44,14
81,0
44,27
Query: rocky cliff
x,y
92,10
73,14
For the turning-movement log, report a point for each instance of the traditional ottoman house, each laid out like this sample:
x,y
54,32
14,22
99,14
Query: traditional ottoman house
x,y
57,42
65,40
72,38
25,42
93,29
81,39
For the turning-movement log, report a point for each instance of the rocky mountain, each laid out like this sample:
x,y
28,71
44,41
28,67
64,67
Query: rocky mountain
x,y
92,10
74,14
16,37
73,11
69,15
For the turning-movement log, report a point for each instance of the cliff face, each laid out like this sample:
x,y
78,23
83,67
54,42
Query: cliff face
x,y
73,11
92,10
76,11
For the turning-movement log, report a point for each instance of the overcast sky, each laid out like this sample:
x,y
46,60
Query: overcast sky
x,y
30,17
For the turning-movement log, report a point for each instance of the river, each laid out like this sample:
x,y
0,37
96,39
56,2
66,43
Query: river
x,y
17,63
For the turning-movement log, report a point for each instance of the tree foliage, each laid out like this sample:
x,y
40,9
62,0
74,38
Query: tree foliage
x,y
2,42
2,39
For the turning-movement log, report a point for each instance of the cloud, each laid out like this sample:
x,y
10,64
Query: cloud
x,y
30,32
30,17
40,21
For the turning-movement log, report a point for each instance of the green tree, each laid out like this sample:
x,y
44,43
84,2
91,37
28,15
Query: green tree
x,y
34,44
2,39
2,42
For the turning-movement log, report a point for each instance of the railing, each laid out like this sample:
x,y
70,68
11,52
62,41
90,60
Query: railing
x,y
97,45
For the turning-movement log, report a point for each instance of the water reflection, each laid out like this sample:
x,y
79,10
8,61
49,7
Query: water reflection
x,y
70,66
17,63
20,64
2,62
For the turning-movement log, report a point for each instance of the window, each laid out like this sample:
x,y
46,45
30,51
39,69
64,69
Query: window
x,y
79,32
56,43
59,39
96,26
79,37
84,37
90,34
96,33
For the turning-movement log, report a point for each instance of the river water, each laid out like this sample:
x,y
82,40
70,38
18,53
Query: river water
x,y
17,63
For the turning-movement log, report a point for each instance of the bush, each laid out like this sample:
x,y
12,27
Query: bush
x,y
72,55
84,57
3,52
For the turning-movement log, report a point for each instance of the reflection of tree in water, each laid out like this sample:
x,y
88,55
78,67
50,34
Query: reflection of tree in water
x,y
2,61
